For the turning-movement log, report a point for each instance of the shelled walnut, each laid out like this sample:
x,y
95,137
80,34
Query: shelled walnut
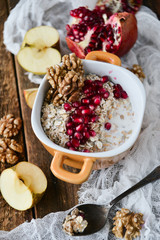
x,y
10,126
138,71
127,224
66,80
8,149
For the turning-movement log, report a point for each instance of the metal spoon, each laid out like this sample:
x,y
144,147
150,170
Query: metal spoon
x,y
96,215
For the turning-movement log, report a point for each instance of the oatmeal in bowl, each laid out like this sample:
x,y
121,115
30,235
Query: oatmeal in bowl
x,y
87,114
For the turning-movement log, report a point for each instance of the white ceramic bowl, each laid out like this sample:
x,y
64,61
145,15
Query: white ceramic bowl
x,y
135,90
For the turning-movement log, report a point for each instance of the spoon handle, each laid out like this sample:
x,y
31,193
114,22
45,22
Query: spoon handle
x,y
153,176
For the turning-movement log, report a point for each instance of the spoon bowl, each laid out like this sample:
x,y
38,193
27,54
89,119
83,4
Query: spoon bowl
x,y
97,215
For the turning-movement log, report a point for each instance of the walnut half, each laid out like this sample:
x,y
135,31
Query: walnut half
x,y
10,126
127,224
8,149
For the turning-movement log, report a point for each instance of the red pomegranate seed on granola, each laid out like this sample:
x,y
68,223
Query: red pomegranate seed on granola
x,y
67,107
92,133
91,106
86,119
78,135
106,95
69,125
70,132
72,148
75,142
107,125
79,120
85,101
86,111
101,91
124,95
86,135
94,118
105,79
68,144
97,100
80,127
76,104
117,94
86,150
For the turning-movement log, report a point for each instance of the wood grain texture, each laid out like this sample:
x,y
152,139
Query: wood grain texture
x,y
9,103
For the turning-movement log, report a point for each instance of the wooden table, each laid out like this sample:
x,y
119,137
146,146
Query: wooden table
x,y
59,195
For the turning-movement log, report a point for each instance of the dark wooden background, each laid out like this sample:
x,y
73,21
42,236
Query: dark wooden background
x,y
59,195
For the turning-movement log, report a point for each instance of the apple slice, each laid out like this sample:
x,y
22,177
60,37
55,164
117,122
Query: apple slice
x,y
39,49
30,95
23,185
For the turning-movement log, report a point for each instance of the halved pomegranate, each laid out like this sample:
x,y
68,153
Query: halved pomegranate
x,y
113,6
93,31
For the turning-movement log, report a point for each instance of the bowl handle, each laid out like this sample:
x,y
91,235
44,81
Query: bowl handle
x,y
75,178
104,57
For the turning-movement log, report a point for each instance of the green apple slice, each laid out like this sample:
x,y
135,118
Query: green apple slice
x,y
23,185
30,95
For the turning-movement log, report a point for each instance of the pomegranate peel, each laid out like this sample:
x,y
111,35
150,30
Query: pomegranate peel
x,y
93,31
104,56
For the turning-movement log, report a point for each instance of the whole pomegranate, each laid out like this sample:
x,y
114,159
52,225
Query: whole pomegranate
x,y
93,30
113,6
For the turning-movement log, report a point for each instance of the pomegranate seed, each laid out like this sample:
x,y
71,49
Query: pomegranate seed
x,y
77,111
118,87
88,90
75,142
68,144
85,101
107,125
105,79
85,150
106,95
86,135
117,94
92,107
87,82
97,100
78,135
124,95
83,140
97,83
79,128
86,120
70,132
76,104
79,120
101,91
67,107
94,118
86,111
72,148
69,124
82,107
92,133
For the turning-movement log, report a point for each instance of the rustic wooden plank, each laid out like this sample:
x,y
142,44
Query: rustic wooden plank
x,y
154,5
59,195
9,103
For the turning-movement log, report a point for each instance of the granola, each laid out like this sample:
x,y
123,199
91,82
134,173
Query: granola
x,y
75,222
114,111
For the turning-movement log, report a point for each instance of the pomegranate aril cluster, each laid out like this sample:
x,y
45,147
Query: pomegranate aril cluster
x,y
83,113
79,125
119,92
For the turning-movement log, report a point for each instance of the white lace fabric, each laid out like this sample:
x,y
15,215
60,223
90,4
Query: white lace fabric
x,y
103,185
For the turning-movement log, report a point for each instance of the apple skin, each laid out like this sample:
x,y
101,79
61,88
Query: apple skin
x,y
23,185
